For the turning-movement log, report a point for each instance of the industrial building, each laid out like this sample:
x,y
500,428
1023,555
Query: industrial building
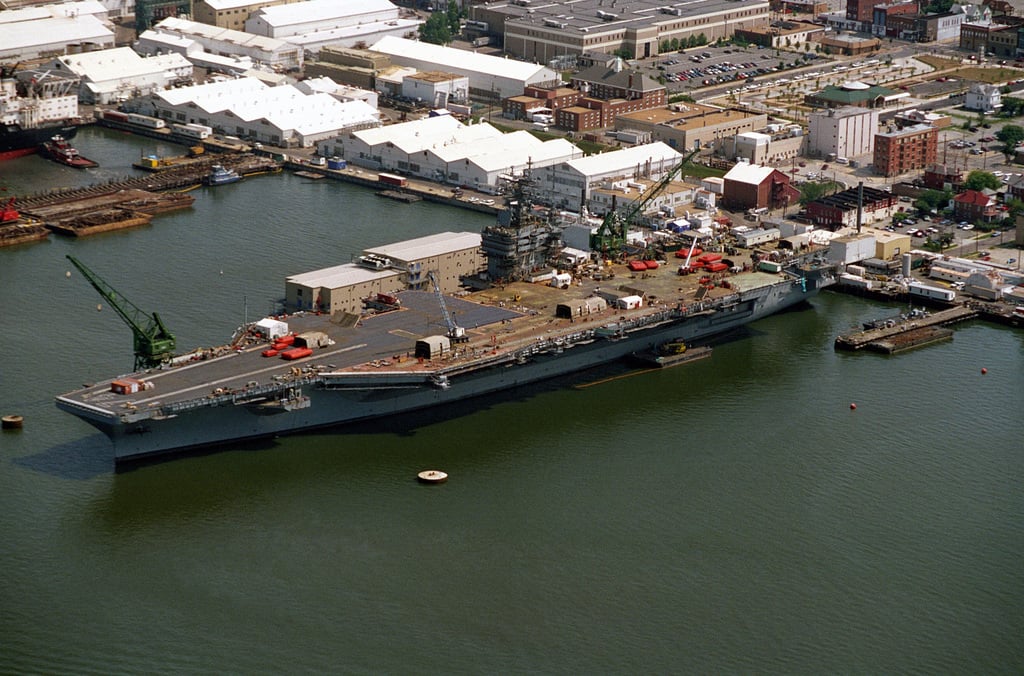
x,y
901,150
315,23
843,132
443,149
771,148
247,108
687,126
230,13
451,256
840,209
221,49
606,92
750,186
112,76
567,185
490,77
782,34
436,89
544,31
853,94
40,32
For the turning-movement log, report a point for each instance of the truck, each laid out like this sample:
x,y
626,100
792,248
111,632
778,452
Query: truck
x,y
392,179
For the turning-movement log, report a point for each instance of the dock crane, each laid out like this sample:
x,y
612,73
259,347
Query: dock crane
x,y
153,342
611,236
455,332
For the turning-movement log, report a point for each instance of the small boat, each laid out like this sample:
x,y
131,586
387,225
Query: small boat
x,y
59,150
220,175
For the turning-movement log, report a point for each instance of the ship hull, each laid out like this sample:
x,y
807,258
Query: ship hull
x,y
16,141
329,401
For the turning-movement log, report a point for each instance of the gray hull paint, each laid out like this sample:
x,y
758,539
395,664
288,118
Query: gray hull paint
x,y
333,403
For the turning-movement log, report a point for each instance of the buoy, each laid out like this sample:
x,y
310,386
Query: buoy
x,y
853,407
432,476
98,307
984,370
11,422
68,274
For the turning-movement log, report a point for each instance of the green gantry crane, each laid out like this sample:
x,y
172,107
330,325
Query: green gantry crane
x,y
611,236
154,344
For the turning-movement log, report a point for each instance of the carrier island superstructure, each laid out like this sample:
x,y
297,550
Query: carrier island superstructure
x,y
419,347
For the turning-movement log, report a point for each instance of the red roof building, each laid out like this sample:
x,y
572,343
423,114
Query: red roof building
x,y
974,206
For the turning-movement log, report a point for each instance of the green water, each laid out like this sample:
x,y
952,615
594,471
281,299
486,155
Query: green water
x,y
729,515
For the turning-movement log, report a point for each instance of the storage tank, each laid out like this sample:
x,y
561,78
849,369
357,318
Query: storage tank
x,y
906,265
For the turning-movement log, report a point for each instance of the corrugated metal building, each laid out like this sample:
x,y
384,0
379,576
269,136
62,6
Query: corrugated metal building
x,y
227,44
39,32
111,76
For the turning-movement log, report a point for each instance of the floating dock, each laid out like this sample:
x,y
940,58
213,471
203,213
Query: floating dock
x,y
399,196
898,334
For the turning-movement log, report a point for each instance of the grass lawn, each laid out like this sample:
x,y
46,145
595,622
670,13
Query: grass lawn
x,y
988,75
938,62
700,171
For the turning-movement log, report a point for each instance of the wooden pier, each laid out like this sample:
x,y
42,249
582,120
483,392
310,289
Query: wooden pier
x,y
898,334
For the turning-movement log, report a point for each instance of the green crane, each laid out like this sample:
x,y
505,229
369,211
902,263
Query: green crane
x,y
611,236
153,342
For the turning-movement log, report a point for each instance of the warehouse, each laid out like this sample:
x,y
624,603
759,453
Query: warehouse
x,y
40,32
490,77
564,185
316,23
445,150
202,42
247,108
111,76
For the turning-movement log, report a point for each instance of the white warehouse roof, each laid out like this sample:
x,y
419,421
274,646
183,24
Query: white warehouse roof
x,y
54,11
226,35
121,63
751,174
460,60
653,153
429,246
20,39
321,10
339,276
285,107
426,133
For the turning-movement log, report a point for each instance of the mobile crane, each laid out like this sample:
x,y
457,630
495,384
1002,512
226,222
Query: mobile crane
x,y
154,344
455,332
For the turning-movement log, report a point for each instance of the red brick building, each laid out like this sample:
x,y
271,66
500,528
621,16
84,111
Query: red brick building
x,y
938,176
860,10
533,97
750,186
907,149
975,206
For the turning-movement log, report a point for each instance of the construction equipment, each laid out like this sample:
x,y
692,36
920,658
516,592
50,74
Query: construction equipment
x,y
154,344
455,332
611,236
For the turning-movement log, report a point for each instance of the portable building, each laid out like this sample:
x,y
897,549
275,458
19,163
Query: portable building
x,y
432,346
581,307
629,302
272,328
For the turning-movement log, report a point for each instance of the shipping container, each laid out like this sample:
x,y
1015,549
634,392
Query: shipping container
x,y
392,179
113,115
769,266
196,132
146,121
931,292
296,353
336,163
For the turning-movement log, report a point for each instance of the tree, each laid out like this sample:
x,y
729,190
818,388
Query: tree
x,y
810,191
932,199
1012,106
454,16
1014,206
979,180
1011,135
899,217
435,30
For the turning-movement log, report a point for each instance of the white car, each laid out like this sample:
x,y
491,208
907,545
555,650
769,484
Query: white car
x,y
969,226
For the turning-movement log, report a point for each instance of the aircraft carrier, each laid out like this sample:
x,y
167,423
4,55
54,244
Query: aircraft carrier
x,y
376,368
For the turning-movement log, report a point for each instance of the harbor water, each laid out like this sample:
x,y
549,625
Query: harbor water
x,y
734,514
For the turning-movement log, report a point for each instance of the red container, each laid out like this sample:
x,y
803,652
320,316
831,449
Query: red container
x,y
637,266
716,267
284,340
270,352
711,257
296,353
651,265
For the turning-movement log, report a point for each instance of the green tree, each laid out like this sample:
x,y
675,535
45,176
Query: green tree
x,y
1014,206
454,16
664,46
899,217
932,199
675,44
435,30
701,39
691,41
811,190
1012,106
1011,135
979,180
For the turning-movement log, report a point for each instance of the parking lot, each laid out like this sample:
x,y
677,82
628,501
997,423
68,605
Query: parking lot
x,y
708,66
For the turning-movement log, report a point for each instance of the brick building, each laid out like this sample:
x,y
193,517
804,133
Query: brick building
x,y
902,150
840,209
535,98
942,177
749,186
860,10
975,206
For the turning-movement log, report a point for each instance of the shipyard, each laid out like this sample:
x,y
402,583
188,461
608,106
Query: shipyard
x,y
601,337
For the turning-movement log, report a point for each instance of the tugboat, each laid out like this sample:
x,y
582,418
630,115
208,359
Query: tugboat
x,y
59,150
220,175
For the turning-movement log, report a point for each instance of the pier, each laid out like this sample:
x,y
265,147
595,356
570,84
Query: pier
x,y
898,334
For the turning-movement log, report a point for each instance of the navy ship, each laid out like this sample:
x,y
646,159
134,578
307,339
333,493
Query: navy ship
x,y
310,370
35,107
